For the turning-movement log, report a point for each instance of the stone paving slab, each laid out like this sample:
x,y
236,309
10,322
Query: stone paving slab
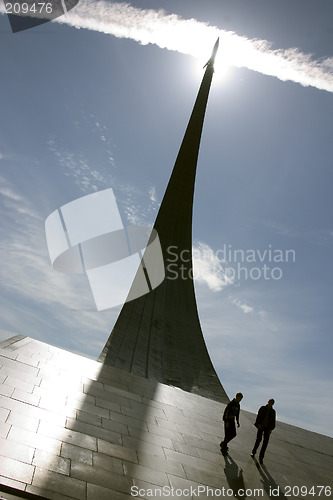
x,y
4,429
54,462
118,451
16,451
126,420
139,444
101,477
107,463
95,492
115,426
23,421
6,390
15,469
71,428
93,430
76,453
146,474
161,464
58,483
150,437
44,493
12,483
34,440
89,418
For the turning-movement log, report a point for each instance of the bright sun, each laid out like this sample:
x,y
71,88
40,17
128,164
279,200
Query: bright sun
x,y
222,67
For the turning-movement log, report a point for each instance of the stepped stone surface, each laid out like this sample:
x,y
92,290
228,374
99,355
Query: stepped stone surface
x,y
73,428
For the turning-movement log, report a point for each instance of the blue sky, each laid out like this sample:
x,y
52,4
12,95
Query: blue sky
x,y
106,105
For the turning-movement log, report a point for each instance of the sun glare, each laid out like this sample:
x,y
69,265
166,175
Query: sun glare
x,y
222,67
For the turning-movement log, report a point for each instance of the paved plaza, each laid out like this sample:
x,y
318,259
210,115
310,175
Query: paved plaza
x,y
73,428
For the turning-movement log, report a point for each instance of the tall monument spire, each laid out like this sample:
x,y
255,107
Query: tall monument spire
x,y
158,335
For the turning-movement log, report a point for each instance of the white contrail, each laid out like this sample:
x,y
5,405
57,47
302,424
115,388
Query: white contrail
x,y
190,36
193,37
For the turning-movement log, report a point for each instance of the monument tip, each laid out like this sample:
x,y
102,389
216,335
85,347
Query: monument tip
x,y
211,61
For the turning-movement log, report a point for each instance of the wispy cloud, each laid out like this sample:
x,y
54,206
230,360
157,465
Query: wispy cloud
x,y
153,196
78,168
92,168
207,268
190,36
36,300
8,194
139,206
13,200
242,306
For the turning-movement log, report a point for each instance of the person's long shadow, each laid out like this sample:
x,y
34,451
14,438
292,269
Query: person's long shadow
x,y
271,487
234,475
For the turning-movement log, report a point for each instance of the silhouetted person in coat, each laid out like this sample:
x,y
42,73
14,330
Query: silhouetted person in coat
x,y
231,413
265,423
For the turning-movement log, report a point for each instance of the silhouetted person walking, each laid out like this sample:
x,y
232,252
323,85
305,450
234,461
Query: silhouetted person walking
x,y
265,423
231,413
